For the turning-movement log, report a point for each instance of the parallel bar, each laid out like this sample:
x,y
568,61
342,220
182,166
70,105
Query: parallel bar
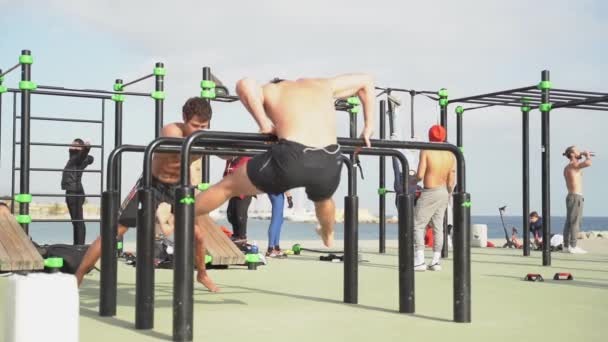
x,y
65,94
65,220
526,179
382,185
137,80
43,118
64,195
55,144
581,102
158,103
546,176
476,97
43,169
24,176
95,91
595,93
493,103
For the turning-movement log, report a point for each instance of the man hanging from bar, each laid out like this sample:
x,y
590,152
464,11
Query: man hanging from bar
x,y
71,182
196,114
302,115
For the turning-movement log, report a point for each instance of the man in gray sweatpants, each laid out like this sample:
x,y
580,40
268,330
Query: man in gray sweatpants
x,y
436,170
573,174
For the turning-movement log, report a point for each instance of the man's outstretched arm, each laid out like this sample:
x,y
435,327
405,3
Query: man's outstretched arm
x,y
252,97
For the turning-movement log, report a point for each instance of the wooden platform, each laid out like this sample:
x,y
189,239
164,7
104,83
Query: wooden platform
x,y
17,253
219,246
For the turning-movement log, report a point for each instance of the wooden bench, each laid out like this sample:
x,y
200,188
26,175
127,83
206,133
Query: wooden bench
x,y
17,253
218,245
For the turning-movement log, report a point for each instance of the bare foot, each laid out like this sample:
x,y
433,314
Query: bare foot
x,y
204,279
79,277
326,236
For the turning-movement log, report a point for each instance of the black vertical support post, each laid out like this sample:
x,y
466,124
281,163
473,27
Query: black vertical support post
x,y
462,257
412,97
159,76
405,203
443,105
525,166
108,276
353,134
118,100
183,275
459,137
351,267
103,144
14,152
382,185
144,282
205,167
24,179
545,108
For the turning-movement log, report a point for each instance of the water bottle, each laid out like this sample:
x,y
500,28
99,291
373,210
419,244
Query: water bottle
x,y
254,248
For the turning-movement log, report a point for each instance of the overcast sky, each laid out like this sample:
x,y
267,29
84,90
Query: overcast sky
x,y
468,47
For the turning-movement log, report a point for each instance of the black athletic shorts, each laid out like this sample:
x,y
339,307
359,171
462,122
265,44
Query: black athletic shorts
x,y
162,192
289,165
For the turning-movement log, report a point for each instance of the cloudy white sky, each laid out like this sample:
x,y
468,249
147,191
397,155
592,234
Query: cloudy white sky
x,y
466,46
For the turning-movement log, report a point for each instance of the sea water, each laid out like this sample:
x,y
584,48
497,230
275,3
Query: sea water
x,y
56,232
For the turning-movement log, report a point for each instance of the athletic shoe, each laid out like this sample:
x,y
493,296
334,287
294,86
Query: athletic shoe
x,y
576,250
565,249
435,267
420,268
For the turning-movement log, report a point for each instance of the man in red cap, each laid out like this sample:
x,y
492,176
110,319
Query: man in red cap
x,y
436,170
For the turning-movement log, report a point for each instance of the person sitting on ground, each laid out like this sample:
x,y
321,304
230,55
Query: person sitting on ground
x,y
302,115
277,201
71,182
238,206
573,174
536,228
196,114
437,171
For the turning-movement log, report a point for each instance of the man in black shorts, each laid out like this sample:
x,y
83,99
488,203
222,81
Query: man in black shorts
x,y
165,178
302,115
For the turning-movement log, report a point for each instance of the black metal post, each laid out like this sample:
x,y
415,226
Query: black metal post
x,y
183,276
118,100
546,168
525,165
353,135
24,179
144,282
459,136
443,105
412,97
462,257
13,168
108,276
102,146
205,169
382,185
351,267
159,100
407,302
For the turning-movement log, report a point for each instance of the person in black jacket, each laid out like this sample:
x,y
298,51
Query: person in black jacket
x,y
71,182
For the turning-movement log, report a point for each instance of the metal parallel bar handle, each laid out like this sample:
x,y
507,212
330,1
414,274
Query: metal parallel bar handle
x,y
94,91
65,220
65,94
65,195
43,118
44,169
57,144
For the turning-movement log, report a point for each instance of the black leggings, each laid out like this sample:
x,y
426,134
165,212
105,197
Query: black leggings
x,y
75,208
237,216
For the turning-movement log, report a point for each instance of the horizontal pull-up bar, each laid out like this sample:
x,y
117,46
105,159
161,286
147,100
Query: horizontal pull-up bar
x,y
96,91
45,118
59,145
65,94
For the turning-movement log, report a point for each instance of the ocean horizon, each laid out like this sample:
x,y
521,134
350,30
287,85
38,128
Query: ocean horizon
x,y
61,232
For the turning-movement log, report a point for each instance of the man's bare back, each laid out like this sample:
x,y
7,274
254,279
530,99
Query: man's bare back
x,y
436,169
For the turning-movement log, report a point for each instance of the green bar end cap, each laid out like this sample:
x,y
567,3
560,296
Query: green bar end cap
x,y
208,259
26,59
158,95
118,98
459,110
160,71
252,258
353,101
443,92
203,186
381,191
24,219
443,102
466,204
23,198
117,87
206,84
3,89
461,148
54,262
355,110
119,245
187,200
208,94
27,85
545,107
525,109
545,85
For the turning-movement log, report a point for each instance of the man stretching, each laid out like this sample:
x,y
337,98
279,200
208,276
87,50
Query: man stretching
x,y
573,174
436,170
302,115
165,178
